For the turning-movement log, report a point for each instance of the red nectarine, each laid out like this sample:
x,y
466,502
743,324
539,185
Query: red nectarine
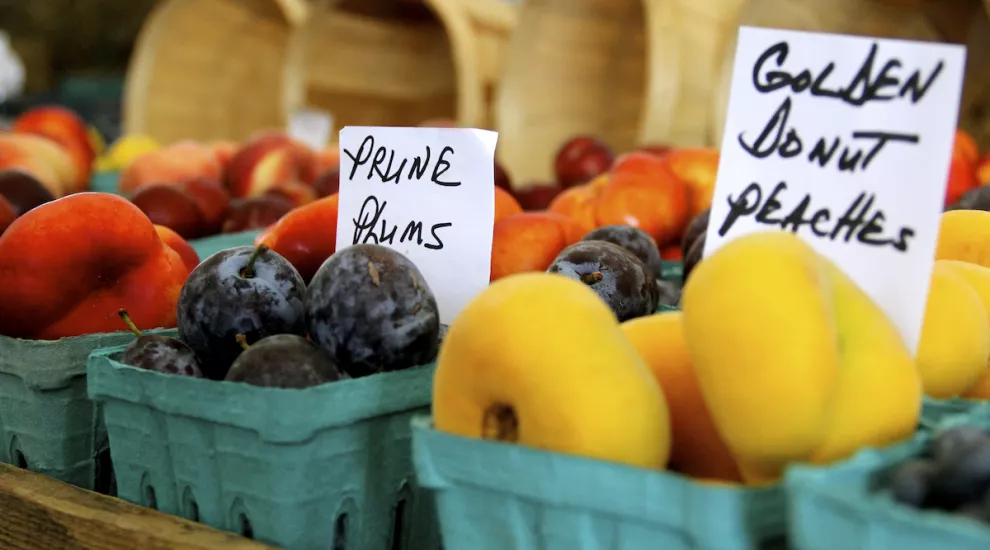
x,y
212,199
256,213
174,241
66,128
172,207
7,214
537,196
581,159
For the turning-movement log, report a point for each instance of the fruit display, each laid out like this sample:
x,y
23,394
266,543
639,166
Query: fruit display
x,y
200,189
291,379
195,189
760,358
657,190
803,404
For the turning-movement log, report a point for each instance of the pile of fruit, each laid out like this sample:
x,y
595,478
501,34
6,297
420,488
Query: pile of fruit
x,y
48,153
775,357
201,189
714,391
969,172
952,475
195,189
245,315
656,189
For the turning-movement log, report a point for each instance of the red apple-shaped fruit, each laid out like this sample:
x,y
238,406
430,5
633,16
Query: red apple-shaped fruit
x,y
256,212
537,196
581,159
171,206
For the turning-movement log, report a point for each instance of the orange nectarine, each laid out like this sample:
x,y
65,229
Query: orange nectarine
x,y
965,147
530,241
505,204
644,192
697,168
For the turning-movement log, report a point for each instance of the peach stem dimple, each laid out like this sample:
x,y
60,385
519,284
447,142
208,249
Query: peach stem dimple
x,y
500,423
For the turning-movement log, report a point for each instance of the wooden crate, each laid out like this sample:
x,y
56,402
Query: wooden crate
x,y
41,513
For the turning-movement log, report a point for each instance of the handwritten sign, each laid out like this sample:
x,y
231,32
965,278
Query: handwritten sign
x,y
428,193
312,127
845,141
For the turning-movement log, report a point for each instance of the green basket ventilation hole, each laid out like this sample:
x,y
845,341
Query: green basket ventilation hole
x,y
343,523
240,520
17,457
400,519
148,497
190,508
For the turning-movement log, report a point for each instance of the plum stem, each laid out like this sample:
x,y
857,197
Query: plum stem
x,y
248,270
129,322
500,423
242,340
591,278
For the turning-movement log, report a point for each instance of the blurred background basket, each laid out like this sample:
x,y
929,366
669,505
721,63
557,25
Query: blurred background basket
x,y
627,71
215,69
401,62
959,21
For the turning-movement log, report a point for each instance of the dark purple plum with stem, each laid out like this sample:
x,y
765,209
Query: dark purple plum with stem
x,y
370,309
626,284
159,353
633,239
247,290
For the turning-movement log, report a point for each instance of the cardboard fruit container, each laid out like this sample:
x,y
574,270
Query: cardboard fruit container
x,y
311,469
848,505
493,496
47,423
208,246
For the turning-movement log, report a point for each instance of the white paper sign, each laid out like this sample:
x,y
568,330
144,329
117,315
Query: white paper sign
x,y
847,141
428,193
311,127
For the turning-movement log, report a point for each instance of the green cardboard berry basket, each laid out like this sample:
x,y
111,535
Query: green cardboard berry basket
x,y
493,496
673,272
846,507
322,468
209,246
47,422
105,182
935,411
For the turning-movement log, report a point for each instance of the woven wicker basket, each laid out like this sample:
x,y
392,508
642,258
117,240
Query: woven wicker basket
x,y
906,19
627,71
215,69
974,114
379,62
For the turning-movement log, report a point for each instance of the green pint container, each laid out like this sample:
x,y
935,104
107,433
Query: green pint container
x,y
321,468
47,423
493,496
